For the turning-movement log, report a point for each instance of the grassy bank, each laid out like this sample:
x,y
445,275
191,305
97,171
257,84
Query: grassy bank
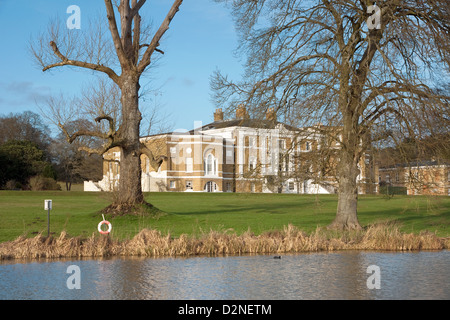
x,y
151,243
77,213
215,224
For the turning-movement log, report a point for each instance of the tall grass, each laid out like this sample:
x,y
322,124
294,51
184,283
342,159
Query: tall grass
x,y
290,239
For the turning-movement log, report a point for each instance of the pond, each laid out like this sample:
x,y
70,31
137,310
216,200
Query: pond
x,y
337,275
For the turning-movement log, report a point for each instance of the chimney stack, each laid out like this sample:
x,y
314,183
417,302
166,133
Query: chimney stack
x,y
271,115
241,112
218,115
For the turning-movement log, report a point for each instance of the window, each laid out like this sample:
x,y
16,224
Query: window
x,y
172,184
189,185
291,186
189,165
251,142
307,146
388,178
283,162
253,187
113,168
210,186
229,187
281,144
210,165
229,155
252,164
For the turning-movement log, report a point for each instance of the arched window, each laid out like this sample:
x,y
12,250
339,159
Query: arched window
x,y
210,165
210,186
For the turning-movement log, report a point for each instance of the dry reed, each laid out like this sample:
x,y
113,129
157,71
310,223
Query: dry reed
x,y
152,243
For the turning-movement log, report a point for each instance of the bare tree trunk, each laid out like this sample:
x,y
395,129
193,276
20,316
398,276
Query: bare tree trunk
x,y
348,171
334,60
346,214
129,41
130,163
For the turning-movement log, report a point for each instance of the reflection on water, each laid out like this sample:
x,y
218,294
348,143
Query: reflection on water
x,y
341,275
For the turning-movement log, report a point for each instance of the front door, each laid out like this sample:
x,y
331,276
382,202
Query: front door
x,y
210,186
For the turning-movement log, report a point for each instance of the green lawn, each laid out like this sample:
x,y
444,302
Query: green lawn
x,y
22,212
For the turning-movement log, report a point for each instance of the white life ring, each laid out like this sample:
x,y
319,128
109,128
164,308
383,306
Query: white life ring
x,y
100,227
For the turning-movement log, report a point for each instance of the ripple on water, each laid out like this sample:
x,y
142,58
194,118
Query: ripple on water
x,y
337,275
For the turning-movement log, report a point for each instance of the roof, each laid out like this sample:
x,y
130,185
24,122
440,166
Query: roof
x,y
249,123
418,163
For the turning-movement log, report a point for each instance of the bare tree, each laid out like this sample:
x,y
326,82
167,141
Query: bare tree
x,y
25,126
362,67
71,163
126,48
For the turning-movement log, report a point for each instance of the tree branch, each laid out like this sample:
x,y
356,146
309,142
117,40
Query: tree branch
x,y
154,162
67,62
158,35
136,29
71,137
112,125
99,151
136,7
147,45
115,33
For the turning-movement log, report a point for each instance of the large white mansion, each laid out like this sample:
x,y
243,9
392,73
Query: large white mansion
x,y
238,155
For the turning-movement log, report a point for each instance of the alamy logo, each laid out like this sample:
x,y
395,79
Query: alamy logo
x,y
74,21
374,280
74,281
374,21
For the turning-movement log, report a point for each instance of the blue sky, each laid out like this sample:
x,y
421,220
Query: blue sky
x,y
200,40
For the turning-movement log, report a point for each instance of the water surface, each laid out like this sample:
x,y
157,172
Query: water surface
x,y
339,275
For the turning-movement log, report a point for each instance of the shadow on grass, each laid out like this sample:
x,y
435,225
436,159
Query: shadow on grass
x,y
199,204
410,219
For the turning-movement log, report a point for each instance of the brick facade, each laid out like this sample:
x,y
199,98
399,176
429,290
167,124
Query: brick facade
x,y
239,155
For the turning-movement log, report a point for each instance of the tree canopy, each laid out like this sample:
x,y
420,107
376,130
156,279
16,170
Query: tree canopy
x,y
375,69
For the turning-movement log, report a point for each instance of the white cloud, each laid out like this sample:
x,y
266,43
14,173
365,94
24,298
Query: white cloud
x,y
22,93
